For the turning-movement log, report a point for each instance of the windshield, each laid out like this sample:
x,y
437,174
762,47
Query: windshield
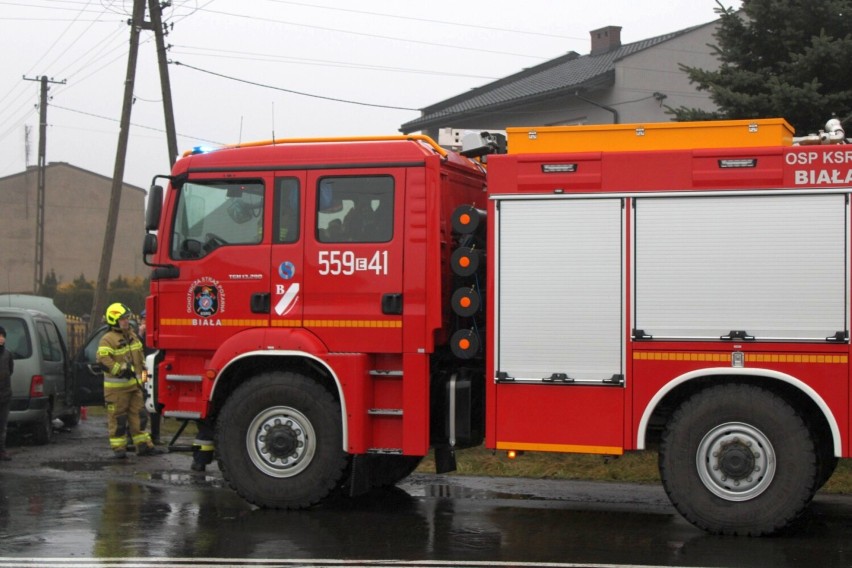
x,y
209,216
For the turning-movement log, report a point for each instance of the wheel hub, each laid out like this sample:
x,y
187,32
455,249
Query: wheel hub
x,y
281,441
735,461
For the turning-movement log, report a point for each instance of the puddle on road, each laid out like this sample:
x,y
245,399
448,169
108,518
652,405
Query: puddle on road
x,y
181,478
448,491
169,477
79,465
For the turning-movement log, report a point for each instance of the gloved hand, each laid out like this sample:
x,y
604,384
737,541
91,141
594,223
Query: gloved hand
x,y
126,372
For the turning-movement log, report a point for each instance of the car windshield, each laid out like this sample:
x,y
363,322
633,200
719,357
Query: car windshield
x,y
17,337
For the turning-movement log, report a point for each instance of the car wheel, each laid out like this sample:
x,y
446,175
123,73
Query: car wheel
x,y
72,418
42,431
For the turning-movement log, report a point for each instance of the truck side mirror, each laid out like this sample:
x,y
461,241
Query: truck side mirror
x,y
154,208
149,245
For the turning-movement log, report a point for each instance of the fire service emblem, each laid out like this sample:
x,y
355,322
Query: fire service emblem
x,y
205,298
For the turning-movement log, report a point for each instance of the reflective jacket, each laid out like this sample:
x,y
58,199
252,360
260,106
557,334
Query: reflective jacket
x,y
117,351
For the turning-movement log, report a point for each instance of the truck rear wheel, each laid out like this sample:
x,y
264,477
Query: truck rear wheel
x,y
737,459
279,441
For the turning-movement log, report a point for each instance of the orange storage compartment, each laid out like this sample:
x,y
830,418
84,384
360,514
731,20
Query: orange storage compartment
x,y
650,136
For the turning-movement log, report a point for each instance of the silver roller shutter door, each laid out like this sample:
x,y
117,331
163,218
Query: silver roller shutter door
x,y
771,266
559,289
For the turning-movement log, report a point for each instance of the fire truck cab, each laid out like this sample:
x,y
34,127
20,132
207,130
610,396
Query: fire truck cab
x,y
299,295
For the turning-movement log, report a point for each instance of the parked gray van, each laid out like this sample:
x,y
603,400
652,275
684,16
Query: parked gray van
x,y
42,385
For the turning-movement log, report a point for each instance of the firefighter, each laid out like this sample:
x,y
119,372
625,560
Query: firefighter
x,y
120,354
202,446
144,415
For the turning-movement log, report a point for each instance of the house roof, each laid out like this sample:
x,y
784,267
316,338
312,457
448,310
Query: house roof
x,y
60,165
569,73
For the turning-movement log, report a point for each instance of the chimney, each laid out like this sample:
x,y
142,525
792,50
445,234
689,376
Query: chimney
x,y
605,39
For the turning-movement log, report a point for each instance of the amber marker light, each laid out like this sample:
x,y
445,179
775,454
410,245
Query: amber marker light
x,y
211,374
512,454
464,219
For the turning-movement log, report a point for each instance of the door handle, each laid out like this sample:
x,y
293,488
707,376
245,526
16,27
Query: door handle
x,y
392,304
260,303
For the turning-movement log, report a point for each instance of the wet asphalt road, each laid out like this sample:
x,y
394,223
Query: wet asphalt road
x,y
70,504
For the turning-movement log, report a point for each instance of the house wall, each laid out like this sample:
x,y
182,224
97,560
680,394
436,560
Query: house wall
x,y
657,69
75,216
635,79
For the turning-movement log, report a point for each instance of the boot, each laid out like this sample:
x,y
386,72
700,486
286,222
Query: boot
x,y
120,454
148,451
201,458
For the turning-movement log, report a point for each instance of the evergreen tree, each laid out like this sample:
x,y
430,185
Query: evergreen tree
x,y
80,283
780,58
50,285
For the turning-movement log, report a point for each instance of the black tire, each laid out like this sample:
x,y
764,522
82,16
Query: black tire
x,y
301,462
42,430
388,470
738,460
827,465
72,418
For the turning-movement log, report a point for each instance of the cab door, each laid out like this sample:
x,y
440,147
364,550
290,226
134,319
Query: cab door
x,y
287,261
88,375
353,261
222,255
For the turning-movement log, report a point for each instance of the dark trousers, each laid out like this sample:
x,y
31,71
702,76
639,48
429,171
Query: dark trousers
x,y
5,405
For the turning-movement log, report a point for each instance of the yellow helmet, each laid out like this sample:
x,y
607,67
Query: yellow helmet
x,y
116,312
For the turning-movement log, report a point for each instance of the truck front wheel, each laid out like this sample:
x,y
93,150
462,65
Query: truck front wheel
x,y
279,441
737,459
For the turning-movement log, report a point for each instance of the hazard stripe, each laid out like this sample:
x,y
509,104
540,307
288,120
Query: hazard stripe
x,y
749,357
168,322
218,322
353,323
562,448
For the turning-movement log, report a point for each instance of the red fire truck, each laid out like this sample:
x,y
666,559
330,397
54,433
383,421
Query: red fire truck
x,y
337,308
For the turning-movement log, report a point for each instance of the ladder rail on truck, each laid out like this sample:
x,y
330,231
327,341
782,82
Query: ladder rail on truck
x,y
680,286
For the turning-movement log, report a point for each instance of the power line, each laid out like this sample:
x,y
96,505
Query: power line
x,y
6,108
375,36
268,57
427,20
143,126
256,84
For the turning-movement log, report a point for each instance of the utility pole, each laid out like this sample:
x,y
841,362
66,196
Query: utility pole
x,y
155,11
38,276
98,305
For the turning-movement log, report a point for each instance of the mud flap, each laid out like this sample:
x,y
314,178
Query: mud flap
x,y
360,476
445,459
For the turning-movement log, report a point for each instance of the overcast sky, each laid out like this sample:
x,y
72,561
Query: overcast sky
x,y
252,69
